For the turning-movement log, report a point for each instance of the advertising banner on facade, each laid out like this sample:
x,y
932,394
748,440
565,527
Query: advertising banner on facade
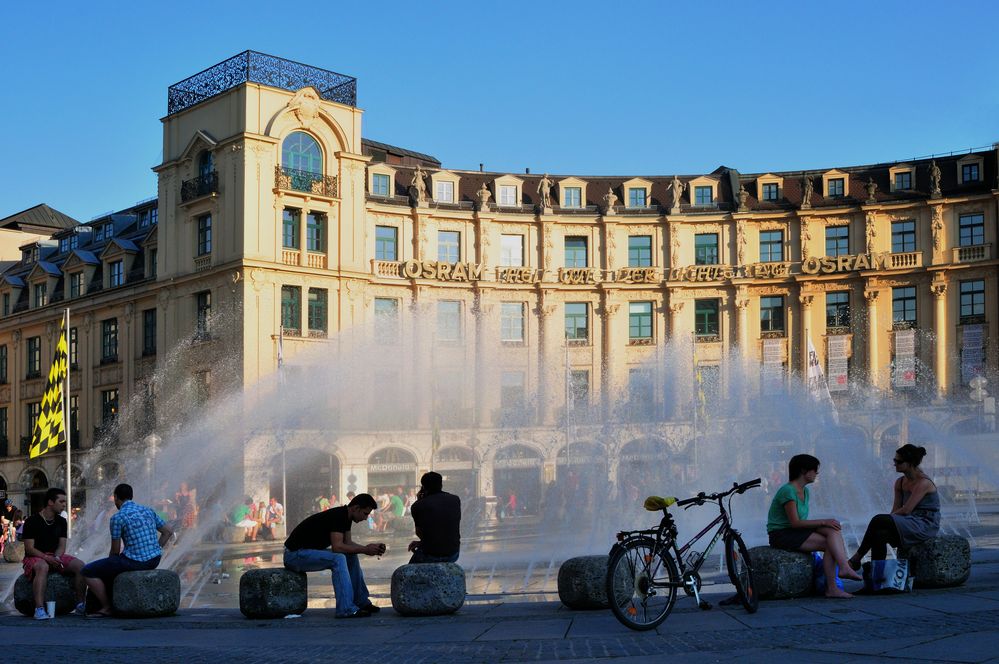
x,y
905,358
837,363
772,376
972,352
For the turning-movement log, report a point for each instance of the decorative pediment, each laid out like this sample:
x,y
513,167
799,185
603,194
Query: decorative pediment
x,y
769,178
117,247
44,269
572,182
201,140
79,258
444,176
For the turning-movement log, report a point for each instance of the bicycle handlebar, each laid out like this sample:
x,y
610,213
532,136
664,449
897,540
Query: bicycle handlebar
x,y
702,497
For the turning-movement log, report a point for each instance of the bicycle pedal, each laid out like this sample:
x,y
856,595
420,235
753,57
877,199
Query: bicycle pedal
x,y
704,605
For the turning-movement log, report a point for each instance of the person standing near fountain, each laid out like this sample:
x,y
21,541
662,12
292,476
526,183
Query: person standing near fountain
x,y
437,516
322,541
915,512
44,537
135,528
789,527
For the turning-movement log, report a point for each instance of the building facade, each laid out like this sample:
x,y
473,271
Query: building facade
x,y
524,295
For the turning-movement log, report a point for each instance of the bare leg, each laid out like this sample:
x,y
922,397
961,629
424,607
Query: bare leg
x,y
837,551
38,583
818,542
79,583
99,590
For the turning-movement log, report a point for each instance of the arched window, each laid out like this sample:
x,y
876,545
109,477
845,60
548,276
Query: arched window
x,y
206,164
301,152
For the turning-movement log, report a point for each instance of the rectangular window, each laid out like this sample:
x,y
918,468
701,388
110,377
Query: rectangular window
x,y
573,197
640,251
153,254
903,305
41,295
3,433
386,320
508,194
63,245
575,252
771,191
76,284
704,195
204,235
116,274
289,228
706,249
6,304
512,250
318,298
203,314
154,215
291,309
445,192
971,229
109,340
903,236
34,412
636,197
448,246
386,243
706,318
579,389
639,321
74,416
34,357
449,320
837,240
74,348
380,184
903,181
74,241
99,234
3,364
838,309
315,232
512,390
771,246
772,314
109,231
512,322
836,188
972,301
109,406
969,173
577,325
149,332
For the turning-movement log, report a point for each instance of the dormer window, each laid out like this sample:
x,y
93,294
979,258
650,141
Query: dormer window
x,y
703,191
572,191
834,184
903,181
445,186
444,192
380,184
771,191
836,187
636,197
109,231
969,169
571,197
902,177
116,273
99,234
64,245
970,173
41,295
508,190
703,195
508,194
76,284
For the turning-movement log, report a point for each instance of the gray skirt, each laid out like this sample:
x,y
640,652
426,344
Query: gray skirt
x,y
917,526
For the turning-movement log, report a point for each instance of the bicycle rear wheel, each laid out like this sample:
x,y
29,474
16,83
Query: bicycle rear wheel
x,y
740,571
641,585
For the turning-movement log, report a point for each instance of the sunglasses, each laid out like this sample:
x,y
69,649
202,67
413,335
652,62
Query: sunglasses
x,y
897,461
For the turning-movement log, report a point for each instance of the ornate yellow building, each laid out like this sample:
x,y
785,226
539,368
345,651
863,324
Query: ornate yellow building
x,y
273,208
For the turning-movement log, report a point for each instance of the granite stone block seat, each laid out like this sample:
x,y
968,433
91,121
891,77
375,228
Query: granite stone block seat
x,y
59,589
941,562
13,552
780,574
273,593
431,589
146,594
582,582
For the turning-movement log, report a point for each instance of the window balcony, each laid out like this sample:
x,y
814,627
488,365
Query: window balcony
x,y
202,263
385,268
972,253
906,260
291,256
293,179
203,185
316,260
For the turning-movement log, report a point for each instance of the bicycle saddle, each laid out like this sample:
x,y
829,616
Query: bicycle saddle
x,y
657,503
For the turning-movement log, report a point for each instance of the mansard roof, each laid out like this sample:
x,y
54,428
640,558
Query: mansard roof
x,y
39,216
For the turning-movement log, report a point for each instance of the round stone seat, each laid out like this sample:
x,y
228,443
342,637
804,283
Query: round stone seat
x,y
582,582
59,589
146,594
13,552
779,574
941,562
273,593
429,589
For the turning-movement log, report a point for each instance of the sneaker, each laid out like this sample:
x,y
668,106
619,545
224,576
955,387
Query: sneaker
x,y
371,608
360,613
41,614
81,609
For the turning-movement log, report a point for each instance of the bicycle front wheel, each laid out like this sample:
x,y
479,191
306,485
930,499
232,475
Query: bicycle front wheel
x,y
641,584
740,571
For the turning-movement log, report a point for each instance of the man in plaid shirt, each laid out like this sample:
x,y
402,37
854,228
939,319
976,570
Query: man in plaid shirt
x,y
143,534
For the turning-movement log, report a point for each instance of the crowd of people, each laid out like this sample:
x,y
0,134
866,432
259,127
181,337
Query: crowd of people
x,y
261,520
11,522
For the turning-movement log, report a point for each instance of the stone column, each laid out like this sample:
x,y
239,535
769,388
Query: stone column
x,y
421,235
606,364
939,291
549,363
742,304
872,337
675,333
303,242
806,328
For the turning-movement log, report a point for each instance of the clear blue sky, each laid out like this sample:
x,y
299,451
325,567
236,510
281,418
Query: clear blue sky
x,y
582,87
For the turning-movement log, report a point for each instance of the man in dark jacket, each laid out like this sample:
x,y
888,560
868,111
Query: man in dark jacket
x,y
437,515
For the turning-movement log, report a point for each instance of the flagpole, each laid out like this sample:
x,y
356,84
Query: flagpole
x,y
67,428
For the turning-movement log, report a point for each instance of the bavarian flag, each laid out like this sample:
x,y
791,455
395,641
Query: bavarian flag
x,y
50,429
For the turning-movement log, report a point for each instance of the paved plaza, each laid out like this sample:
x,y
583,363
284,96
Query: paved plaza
x,y
952,625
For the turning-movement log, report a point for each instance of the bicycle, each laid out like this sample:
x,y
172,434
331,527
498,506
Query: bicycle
x,y
647,568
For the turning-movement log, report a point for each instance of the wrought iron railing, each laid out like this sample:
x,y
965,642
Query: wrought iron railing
x,y
254,67
294,179
202,185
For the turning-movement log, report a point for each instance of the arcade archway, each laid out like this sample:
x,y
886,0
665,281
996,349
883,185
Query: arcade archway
x,y
310,474
517,472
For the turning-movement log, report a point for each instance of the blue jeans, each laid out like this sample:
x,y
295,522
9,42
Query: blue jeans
x,y
348,579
